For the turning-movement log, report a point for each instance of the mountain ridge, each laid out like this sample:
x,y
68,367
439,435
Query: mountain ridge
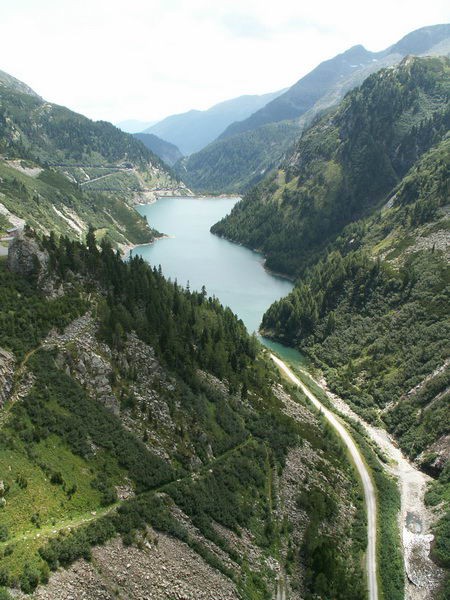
x,y
319,90
167,152
192,130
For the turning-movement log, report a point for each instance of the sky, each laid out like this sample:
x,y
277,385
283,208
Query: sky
x,y
146,59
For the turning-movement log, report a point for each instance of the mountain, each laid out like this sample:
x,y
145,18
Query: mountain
x,y
166,151
302,96
236,163
193,130
61,171
359,213
344,165
307,91
317,91
134,126
148,445
9,82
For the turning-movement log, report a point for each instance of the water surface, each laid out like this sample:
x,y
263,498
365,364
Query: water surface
x,y
232,273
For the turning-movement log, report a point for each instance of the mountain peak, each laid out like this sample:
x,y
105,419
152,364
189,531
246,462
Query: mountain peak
x,y
16,85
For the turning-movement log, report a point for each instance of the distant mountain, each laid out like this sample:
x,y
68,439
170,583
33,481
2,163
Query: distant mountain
x,y
236,163
309,89
319,90
61,171
134,126
166,151
193,130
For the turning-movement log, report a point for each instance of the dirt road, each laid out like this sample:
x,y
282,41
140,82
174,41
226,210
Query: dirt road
x,y
369,491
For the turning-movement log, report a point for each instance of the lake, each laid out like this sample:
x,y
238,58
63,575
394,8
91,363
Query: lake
x,y
232,273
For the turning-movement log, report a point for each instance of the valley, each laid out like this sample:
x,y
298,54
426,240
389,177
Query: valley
x,y
240,397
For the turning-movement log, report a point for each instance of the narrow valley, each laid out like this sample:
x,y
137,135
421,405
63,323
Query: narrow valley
x,y
224,322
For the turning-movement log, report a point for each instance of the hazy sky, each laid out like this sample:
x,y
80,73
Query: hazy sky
x,y
145,59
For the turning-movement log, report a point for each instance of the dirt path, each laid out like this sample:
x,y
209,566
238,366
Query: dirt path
x,y
415,520
369,490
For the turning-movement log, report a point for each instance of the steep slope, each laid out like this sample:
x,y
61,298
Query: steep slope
x,y
360,214
346,190
193,130
144,411
52,160
345,165
166,151
302,96
319,90
8,82
236,163
48,201
374,315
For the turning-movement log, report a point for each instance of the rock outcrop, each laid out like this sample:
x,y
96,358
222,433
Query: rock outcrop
x,y
7,362
27,258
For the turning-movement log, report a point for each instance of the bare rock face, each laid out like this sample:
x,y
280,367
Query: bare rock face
x,y
7,362
26,257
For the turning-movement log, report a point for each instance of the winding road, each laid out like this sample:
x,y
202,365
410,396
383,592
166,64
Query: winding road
x,y
369,490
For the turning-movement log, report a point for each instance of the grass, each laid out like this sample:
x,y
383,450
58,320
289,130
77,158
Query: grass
x,y
34,199
35,506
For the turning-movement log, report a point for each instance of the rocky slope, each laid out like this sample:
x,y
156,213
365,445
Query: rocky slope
x,y
136,456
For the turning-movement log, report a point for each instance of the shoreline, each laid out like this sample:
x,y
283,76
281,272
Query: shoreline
x,y
125,249
264,259
276,273
192,197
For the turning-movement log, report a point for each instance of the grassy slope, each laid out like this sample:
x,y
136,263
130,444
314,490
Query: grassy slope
x,y
34,199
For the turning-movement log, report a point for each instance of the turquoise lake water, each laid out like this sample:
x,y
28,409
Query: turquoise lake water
x,y
192,254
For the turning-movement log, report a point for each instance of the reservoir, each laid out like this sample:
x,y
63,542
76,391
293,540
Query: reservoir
x,y
191,254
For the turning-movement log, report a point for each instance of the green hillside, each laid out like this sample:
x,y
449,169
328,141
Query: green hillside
x,y
238,162
54,163
359,215
183,415
345,166
166,151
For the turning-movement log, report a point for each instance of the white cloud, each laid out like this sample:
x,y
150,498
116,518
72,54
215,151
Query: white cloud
x,y
148,58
